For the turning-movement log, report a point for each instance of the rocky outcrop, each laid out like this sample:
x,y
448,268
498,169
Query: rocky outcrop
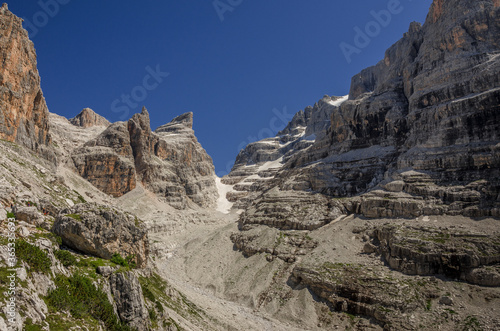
x,y
88,118
187,172
291,211
23,111
127,293
369,292
102,231
288,246
29,215
428,251
107,161
170,161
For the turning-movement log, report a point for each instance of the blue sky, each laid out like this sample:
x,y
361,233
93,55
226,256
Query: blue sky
x,y
243,67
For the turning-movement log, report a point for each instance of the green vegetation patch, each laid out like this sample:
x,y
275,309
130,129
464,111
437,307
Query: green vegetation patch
x,y
67,259
37,259
78,295
29,326
127,263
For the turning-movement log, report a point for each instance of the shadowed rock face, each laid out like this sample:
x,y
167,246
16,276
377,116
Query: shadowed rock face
x,y
23,112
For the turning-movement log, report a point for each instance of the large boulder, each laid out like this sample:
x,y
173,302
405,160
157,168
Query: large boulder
x,y
102,231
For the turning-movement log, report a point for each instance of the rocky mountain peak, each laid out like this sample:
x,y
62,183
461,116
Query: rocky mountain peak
x,y
88,118
179,124
185,119
141,121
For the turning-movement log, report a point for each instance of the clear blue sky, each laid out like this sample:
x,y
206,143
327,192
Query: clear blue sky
x,y
230,67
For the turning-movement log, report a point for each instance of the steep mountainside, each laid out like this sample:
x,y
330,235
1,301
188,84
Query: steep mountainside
x,y
425,118
87,118
260,161
23,112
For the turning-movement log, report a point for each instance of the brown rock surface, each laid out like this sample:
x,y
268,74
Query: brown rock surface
x,y
87,118
107,161
23,112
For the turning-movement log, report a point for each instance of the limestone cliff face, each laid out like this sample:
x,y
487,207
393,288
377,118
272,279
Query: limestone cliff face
x,y
431,105
88,118
187,170
23,112
426,117
170,161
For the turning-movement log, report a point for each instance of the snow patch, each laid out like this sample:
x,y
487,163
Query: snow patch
x,y
223,205
340,101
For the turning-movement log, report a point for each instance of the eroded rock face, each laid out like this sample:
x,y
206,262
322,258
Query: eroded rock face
x,y
370,292
107,161
170,161
291,211
88,118
430,107
127,293
23,112
102,231
186,172
429,251
434,99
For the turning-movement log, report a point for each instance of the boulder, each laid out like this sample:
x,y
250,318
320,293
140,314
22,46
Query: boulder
x,y
102,231
29,215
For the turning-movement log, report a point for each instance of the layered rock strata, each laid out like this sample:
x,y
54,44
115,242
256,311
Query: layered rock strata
x,y
426,116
